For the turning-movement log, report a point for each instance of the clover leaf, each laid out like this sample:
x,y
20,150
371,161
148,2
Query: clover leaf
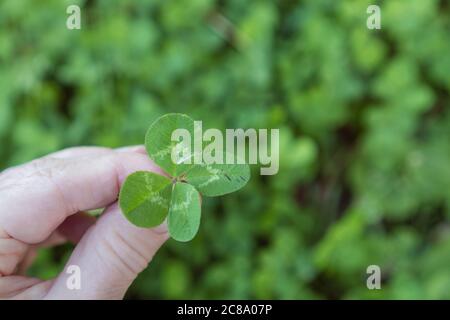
x,y
144,192
184,214
218,179
159,143
147,199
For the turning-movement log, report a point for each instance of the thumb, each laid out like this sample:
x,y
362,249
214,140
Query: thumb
x,y
108,258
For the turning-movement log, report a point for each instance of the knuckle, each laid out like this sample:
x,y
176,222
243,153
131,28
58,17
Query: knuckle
x,y
43,167
12,251
49,169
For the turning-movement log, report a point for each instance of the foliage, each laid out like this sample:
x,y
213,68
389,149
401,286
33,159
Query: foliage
x,y
364,127
146,198
183,219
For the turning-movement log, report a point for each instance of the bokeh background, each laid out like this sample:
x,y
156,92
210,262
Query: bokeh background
x,y
364,118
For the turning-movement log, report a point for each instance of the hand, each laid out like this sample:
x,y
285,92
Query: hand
x,y
42,203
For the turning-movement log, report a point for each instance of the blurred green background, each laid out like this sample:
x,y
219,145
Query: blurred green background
x,y
363,115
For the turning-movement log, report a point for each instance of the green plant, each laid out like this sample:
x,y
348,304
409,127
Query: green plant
x,y
146,198
364,115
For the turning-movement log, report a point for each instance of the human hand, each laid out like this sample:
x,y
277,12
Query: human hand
x,y
42,203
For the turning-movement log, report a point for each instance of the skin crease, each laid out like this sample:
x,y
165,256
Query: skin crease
x,y
42,205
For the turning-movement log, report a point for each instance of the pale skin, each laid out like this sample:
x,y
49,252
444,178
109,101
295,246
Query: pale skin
x,y
43,203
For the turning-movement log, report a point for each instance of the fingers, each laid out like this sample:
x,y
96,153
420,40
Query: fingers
x,y
80,152
94,151
109,257
74,152
34,292
74,227
36,198
14,285
137,149
12,251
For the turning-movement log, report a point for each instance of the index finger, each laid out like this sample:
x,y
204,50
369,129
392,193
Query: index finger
x,y
36,198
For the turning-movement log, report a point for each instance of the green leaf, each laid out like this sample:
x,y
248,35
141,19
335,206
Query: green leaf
x,y
144,198
159,143
218,179
184,215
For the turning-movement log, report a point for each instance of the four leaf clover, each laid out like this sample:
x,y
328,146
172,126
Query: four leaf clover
x,y
147,199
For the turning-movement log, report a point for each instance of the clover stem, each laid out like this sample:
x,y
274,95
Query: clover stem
x,y
181,178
